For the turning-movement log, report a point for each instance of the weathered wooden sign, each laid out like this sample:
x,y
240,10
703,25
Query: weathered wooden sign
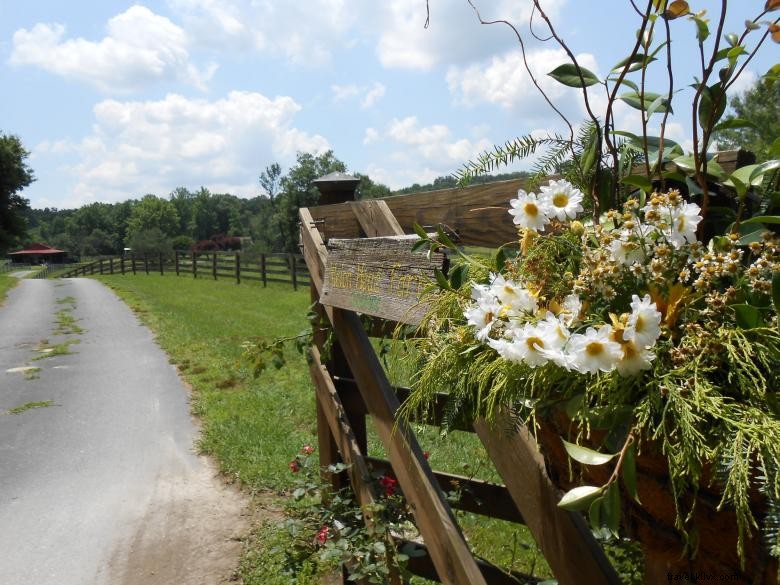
x,y
381,277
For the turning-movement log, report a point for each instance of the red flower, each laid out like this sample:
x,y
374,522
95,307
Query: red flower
x,y
426,455
307,450
322,535
389,484
295,467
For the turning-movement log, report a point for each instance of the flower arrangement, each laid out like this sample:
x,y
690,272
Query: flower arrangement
x,y
646,338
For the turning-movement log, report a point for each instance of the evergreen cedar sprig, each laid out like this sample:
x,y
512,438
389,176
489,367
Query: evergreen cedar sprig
x,y
631,327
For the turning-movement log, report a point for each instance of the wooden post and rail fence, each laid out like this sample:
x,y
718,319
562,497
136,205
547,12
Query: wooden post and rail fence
x,y
267,267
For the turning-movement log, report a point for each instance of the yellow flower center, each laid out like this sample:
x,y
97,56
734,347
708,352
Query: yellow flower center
x,y
594,348
560,199
488,317
532,342
629,351
640,324
531,209
510,290
681,223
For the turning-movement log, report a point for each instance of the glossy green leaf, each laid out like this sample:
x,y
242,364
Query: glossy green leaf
x,y
639,181
765,167
745,176
441,280
634,62
687,163
611,511
732,39
749,233
628,471
568,75
748,316
762,219
702,28
635,100
594,513
734,123
420,231
627,82
459,276
580,497
712,104
585,455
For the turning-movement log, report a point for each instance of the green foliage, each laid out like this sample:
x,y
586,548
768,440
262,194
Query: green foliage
x,y
151,212
759,107
150,242
15,175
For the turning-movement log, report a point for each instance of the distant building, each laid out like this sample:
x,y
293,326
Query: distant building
x,y
38,254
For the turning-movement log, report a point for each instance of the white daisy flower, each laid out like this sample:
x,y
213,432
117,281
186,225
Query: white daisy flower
x,y
526,345
625,250
571,309
684,221
553,331
644,322
516,300
482,315
634,360
563,199
594,350
529,211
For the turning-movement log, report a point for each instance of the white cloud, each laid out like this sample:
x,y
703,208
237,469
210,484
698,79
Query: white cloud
x,y
156,146
368,95
454,34
140,48
420,153
504,81
304,33
370,136
373,95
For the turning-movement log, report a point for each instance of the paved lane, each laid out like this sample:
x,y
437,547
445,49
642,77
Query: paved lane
x,y
101,486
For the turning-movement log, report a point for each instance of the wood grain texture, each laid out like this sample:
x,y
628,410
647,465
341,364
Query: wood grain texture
x,y
568,546
381,277
375,218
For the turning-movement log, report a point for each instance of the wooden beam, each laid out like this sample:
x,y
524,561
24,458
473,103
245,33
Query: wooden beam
x,y
435,521
566,541
375,218
475,495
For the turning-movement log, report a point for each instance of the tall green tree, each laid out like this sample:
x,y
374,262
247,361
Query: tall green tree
x,y
760,106
298,191
15,175
153,212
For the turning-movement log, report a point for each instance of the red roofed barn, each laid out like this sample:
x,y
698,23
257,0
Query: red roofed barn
x,y
37,254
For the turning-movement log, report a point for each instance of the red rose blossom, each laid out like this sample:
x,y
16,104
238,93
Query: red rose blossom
x,y
295,466
322,535
307,450
389,484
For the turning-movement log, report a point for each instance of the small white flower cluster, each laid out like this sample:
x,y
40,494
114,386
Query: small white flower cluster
x,y
505,316
558,200
668,221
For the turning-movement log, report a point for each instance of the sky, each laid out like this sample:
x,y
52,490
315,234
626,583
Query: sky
x,y
117,99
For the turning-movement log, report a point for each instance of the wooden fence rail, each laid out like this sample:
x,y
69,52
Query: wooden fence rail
x,y
270,267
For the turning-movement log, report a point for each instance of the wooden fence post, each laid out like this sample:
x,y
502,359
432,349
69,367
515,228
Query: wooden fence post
x,y
111,266
133,263
214,265
262,269
101,266
122,265
161,264
294,271
146,264
176,261
238,267
194,266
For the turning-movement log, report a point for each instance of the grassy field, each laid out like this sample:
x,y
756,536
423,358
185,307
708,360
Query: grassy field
x,y
6,283
254,427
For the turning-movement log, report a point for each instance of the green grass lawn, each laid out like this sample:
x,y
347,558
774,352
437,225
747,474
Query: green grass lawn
x,y
254,427
6,284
